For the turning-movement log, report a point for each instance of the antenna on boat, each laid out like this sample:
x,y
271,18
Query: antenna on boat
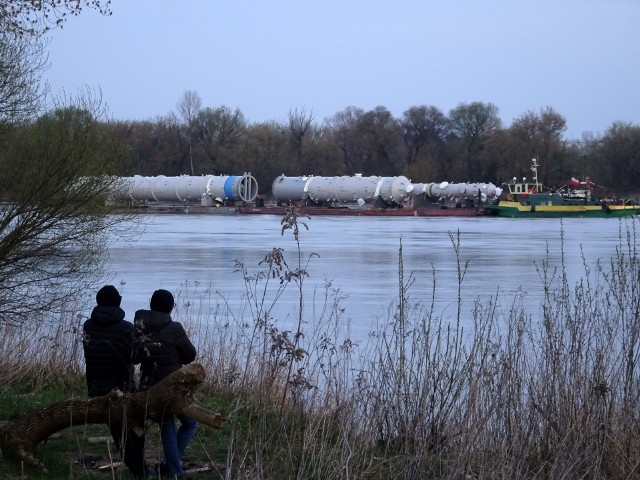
x,y
534,169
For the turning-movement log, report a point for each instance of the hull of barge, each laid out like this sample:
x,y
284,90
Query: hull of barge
x,y
366,211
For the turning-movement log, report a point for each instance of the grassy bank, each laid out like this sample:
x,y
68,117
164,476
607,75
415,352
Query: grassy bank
x,y
514,396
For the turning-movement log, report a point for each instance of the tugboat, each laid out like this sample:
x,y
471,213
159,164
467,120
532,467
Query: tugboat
x,y
526,199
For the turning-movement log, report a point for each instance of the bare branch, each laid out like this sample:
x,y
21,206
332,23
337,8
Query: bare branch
x,y
36,17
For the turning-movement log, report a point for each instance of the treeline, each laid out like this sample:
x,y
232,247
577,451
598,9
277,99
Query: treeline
x,y
470,143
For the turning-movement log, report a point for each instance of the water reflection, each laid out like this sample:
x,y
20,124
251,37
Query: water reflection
x,y
360,257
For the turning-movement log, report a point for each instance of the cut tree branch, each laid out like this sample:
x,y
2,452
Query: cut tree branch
x,y
173,394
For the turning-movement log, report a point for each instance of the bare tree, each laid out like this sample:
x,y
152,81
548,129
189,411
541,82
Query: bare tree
x,y
22,61
539,135
219,130
57,172
424,130
58,176
473,124
618,155
189,105
299,130
343,131
188,108
381,135
259,152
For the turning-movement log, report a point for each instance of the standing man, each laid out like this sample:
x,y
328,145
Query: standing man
x,y
108,353
162,347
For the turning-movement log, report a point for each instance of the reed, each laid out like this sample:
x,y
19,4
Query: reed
x,y
44,351
491,393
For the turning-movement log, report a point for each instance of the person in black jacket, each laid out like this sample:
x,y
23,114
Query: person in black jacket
x,y
162,347
108,353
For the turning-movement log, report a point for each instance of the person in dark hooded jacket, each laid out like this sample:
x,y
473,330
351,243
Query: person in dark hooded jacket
x,y
162,347
109,358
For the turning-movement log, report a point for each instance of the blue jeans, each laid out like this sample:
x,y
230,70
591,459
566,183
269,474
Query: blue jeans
x,y
175,442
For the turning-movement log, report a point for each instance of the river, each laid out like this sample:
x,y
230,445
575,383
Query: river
x,y
195,257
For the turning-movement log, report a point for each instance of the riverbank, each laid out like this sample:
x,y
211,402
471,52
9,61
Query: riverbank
x,y
422,397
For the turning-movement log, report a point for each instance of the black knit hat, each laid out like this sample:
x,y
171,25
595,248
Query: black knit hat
x,y
108,296
162,301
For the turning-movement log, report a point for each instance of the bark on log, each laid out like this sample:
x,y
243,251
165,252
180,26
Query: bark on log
x,y
173,394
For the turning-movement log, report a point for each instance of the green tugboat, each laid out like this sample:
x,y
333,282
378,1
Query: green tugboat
x,y
528,200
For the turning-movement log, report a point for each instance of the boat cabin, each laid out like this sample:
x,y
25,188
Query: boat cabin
x,y
524,187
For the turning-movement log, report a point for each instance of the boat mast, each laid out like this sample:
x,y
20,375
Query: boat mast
x,y
534,169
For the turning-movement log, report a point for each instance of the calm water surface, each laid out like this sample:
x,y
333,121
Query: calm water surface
x,y
195,255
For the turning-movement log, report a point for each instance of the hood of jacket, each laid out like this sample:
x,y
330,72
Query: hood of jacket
x,y
107,316
150,321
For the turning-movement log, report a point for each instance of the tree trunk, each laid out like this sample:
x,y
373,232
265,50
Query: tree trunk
x,y
173,394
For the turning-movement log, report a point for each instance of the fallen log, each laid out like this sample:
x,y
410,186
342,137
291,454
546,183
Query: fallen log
x,y
173,394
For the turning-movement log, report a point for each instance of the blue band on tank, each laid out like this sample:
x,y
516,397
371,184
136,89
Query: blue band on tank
x,y
228,186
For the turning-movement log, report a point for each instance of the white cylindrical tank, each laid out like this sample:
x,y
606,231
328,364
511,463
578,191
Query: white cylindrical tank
x,y
357,188
138,187
289,189
187,188
234,187
393,189
342,189
319,189
183,188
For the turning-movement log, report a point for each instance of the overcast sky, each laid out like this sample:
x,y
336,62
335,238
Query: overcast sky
x,y
580,57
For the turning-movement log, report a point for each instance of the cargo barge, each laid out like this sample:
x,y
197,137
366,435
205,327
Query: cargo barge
x,y
356,195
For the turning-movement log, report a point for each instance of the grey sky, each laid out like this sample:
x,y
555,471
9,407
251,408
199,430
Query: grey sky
x,y
580,57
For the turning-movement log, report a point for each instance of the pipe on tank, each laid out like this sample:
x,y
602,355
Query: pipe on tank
x,y
455,190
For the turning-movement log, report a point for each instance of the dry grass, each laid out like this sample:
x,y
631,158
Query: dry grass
x,y
42,352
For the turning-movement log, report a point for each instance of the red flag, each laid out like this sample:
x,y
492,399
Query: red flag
x,y
574,181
